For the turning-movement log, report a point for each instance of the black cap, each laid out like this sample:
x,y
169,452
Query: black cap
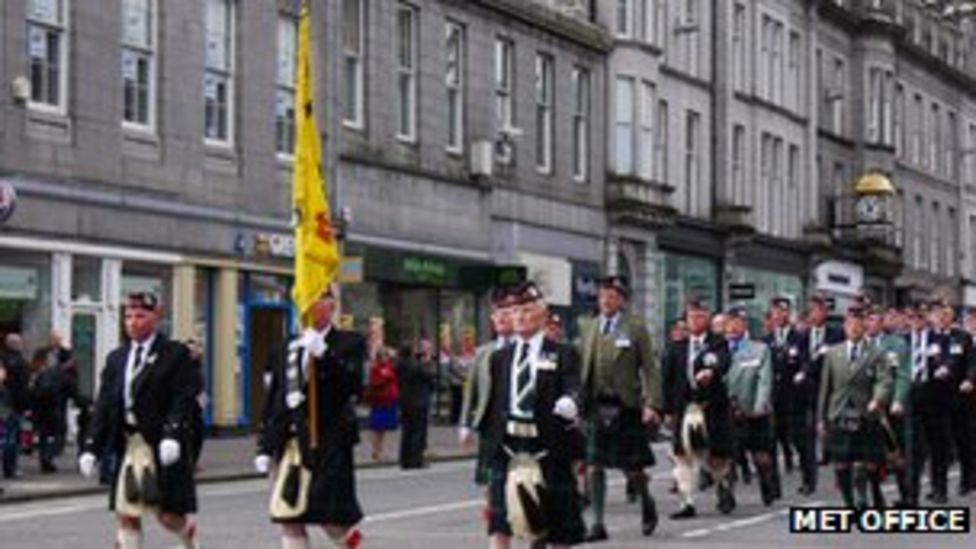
x,y
503,296
616,282
856,311
696,303
737,312
875,310
142,300
819,298
780,302
527,292
939,303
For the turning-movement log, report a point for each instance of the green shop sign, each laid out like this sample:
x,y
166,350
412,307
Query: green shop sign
x,y
425,270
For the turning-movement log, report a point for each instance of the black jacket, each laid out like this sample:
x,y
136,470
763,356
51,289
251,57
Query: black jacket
x,y
18,380
955,352
416,378
676,387
339,379
559,436
164,395
789,359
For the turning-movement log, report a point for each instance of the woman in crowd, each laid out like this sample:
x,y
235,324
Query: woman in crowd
x,y
382,395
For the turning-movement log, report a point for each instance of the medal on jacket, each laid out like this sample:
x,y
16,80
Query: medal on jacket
x,y
294,396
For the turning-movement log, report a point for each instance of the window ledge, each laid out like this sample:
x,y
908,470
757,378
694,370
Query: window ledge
x,y
220,157
48,125
141,143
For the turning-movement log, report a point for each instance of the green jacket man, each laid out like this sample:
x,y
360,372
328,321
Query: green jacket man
x,y
621,362
847,387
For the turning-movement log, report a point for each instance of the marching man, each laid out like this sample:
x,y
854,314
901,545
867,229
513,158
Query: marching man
x,y
531,434
144,414
310,431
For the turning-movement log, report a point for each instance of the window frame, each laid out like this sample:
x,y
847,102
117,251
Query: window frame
x,y
456,90
582,86
545,74
228,74
63,28
504,87
358,59
151,53
405,74
620,125
286,87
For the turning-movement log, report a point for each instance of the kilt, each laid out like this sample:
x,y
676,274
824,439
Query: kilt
x,y
563,501
626,446
755,434
721,432
866,444
175,483
331,491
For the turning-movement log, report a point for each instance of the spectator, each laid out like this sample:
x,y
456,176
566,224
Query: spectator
x,y
6,403
198,429
457,373
416,374
382,395
48,405
18,378
554,329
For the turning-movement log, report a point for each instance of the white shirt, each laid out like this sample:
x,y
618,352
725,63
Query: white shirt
x,y
816,338
692,356
531,358
130,366
608,324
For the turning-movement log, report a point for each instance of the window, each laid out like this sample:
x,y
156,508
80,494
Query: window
x,y
687,33
692,162
47,23
738,165
887,133
793,84
353,40
764,189
793,183
739,47
918,129
581,123
972,246
774,209
836,97
875,81
138,62
285,85
406,72
218,80
543,112
624,135
646,140
625,18
970,156
952,249
950,146
935,262
935,138
771,59
653,13
504,85
661,143
898,121
918,222
454,79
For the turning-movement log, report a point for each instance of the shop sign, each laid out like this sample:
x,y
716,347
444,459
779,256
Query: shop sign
x,y
8,201
484,277
425,270
839,277
351,271
274,245
552,274
742,291
18,283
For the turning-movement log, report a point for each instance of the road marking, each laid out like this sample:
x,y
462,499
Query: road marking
x,y
34,513
428,510
745,522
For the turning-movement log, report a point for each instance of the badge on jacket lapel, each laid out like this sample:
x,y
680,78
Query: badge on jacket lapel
x,y
623,342
793,352
151,359
934,350
820,351
294,399
754,363
546,363
892,359
710,359
955,349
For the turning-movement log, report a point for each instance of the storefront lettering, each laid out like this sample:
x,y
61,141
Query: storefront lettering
x,y
274,245
424,270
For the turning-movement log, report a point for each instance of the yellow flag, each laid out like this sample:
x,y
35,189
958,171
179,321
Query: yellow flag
x,y
316,251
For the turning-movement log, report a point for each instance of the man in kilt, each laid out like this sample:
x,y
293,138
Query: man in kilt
x,y
696,405
855,388
622,396
477,388
144,415
750,390
310,431
531,431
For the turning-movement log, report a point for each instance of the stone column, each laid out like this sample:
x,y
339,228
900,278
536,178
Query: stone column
x,y
227,363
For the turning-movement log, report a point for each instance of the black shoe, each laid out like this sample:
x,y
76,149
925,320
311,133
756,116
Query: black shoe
x,y
648,515
598,532
806,490
686,512
726,499
768,497
48,468
705,481
746,476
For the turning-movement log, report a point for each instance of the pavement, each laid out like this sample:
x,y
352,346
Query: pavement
x,y
440,508
222,460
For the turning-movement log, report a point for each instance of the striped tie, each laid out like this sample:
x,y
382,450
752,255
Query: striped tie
x,y
524,389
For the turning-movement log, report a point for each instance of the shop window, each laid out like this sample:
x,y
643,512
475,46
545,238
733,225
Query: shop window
x,y
684,277
86,279
25,296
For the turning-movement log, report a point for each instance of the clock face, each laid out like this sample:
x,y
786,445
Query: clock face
x,y
869,209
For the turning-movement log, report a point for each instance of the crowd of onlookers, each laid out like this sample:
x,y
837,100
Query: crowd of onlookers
x,y
34,397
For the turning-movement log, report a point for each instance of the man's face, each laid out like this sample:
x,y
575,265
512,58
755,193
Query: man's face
x,y
942,317
873,325
719,324
735,327
322,312
854,328
611,302
679,332
426,347
530,318
698,321
780,316
971,323
501,319
140,323
818,314
893,321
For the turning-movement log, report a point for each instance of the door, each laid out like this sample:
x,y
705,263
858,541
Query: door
x,y
84,333
268,335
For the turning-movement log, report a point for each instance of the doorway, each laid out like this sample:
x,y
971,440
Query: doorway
x,y
267,335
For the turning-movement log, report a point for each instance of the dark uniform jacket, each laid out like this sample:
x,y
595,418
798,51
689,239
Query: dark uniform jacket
x,y
339,375
678,391
790,358
951,349
556,434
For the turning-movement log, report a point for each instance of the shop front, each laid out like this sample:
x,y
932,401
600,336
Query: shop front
x,y
753,288
682,276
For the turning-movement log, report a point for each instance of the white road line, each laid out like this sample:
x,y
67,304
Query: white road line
x,y
428,510
34,513
745,522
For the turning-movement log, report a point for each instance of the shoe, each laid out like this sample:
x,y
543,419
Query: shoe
x,y
48,468
806,490
705,481
649,518
686,512
746,476
939,499
726,499
767,496
598,532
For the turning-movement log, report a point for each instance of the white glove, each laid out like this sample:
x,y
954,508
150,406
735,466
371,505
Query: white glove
x,y
566,408
465,436
799,377
169,452
262,463
942,373
86,464
897,409
315,343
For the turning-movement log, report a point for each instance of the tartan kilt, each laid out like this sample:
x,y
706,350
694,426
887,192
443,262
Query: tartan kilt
x,y
564,502
721,432
866,444
625,447
755,434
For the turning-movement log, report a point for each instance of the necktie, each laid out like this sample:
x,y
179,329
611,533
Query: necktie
x,y
855,352
524,392
607,325
696,348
